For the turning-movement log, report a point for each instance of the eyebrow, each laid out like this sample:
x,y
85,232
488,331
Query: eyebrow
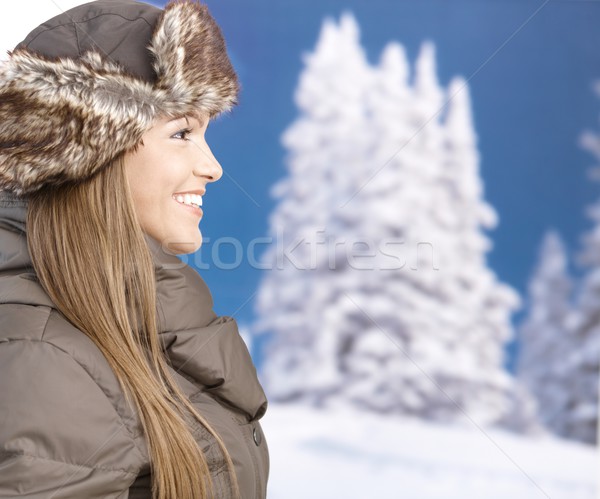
x,y
200,119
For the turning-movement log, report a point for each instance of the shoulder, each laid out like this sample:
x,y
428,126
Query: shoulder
x,y
62,410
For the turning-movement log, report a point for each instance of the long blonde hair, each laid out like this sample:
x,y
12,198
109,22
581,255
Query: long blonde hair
x,y
91,257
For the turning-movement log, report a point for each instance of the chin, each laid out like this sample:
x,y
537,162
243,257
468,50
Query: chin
x,y
183,248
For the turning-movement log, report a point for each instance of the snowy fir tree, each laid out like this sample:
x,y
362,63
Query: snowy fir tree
x,y
386,302
544,337
580,421
320,156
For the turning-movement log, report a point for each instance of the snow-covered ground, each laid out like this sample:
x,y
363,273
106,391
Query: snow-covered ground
x,y
347,454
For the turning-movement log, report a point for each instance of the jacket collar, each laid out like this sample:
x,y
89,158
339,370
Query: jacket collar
x,y
201,346
206,348
18,282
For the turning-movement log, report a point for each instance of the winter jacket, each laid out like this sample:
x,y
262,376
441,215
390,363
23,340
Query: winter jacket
x,y
66,430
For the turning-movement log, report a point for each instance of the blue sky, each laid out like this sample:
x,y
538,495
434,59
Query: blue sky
x,y
530,66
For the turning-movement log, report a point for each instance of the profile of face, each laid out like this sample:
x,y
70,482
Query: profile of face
x,y
167,176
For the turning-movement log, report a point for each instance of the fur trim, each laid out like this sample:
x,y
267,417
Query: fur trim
x,y
62,120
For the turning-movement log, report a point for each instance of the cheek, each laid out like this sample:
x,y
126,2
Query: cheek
x,y
145,182
156,210
139,196
153,176
142,197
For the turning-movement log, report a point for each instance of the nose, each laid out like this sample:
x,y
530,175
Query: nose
x,y
207,165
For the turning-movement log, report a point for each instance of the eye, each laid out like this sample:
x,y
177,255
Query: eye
x,y
181,134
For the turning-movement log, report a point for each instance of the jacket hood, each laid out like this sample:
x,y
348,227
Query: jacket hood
x,y
202,347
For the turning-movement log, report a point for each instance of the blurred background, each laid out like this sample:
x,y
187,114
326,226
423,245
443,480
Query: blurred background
x,y
407,232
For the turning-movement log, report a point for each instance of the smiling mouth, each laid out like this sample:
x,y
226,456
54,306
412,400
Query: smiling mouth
x,y
189,199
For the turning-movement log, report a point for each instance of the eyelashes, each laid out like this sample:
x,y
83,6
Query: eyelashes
x,y
183,133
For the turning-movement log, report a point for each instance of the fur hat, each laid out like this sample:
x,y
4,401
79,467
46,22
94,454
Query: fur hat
x,y
83,87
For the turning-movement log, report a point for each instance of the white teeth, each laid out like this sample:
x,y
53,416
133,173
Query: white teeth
x,y
189,199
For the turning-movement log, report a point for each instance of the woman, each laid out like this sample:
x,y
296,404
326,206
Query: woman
x,y
117,379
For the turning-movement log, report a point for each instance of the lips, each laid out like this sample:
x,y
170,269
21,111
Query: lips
x,y
190,201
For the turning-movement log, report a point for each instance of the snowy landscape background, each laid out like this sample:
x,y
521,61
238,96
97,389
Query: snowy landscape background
x,y
449,345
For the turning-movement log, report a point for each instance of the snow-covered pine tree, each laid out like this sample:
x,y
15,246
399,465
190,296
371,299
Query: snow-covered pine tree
x,y
376,311
325,144
431,192
482,305
544,339
420,330
583,363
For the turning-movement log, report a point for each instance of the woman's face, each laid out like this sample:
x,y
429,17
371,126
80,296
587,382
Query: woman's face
x,y
166,175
